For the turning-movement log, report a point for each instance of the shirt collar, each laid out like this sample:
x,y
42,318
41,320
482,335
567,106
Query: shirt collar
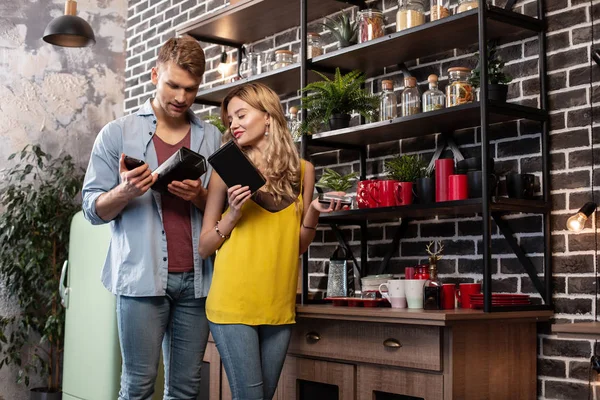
x,y
146,110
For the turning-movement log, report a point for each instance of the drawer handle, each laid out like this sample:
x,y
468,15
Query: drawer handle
x,y
392,343
313,336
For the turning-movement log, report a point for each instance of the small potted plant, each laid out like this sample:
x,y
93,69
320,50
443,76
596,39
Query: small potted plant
x,y
497,79
334,100
344,30
405,170
215,119
336,182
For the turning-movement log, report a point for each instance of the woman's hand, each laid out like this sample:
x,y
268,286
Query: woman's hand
x,y
237,195
332,206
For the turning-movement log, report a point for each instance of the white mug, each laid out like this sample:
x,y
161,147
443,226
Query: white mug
x,y
394,293
414,292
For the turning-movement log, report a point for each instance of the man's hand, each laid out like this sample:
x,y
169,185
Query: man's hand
x,y
190,190
136,182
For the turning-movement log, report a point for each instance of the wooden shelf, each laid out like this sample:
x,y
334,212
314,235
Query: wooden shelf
x,y
457,31
252,20
446,208
283,81
581,330
447,119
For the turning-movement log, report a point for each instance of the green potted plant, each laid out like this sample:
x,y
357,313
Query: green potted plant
x,y
335,181
38,197
497,79
333,100
215,120
405,170
344,30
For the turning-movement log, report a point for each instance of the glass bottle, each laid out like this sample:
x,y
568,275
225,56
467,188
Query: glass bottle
x,y
459,90
370,25
388,108
410,13
466,5
439,9
433,99
294,124
411,98
251,65
432,290
313,45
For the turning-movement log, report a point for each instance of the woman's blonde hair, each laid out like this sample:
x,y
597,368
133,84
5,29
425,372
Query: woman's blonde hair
x,y
280,162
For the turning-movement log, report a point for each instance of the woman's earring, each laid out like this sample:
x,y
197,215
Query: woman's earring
x,y
267,130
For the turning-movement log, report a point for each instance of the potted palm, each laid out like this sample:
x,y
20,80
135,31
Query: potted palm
x,y
344,30
334,100
38,197
405,170
497,79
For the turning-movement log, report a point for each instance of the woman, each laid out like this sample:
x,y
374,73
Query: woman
x,y
251,303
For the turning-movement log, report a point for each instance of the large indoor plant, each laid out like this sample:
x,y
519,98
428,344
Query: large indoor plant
x,y
38,197
497,79
333,100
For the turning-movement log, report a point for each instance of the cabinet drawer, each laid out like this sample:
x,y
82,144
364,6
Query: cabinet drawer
x,y
411,346
417,385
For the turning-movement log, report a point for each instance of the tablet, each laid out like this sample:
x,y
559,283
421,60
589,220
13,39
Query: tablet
x,y
183,164
235,168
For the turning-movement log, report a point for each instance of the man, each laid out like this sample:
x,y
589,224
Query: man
x,y
152,265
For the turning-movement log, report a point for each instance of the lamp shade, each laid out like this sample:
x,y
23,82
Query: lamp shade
x,y
69,31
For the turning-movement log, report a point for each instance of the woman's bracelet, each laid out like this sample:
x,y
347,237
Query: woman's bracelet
x,y
309,227
219,232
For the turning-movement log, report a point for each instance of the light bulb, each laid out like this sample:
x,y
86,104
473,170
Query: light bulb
x,y
576,223
223,67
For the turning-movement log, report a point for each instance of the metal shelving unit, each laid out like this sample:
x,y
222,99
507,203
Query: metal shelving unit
x,y
251,20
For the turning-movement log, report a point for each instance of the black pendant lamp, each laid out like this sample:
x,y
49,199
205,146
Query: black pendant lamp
x,y
69,30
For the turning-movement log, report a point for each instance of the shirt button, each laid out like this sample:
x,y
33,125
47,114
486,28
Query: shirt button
x,y
154,122
164,258
163,232
149,133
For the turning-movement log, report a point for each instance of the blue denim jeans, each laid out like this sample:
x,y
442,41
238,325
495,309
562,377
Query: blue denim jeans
x,y
178,322
253,357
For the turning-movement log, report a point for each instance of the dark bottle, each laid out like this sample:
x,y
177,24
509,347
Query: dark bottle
x,y
432,291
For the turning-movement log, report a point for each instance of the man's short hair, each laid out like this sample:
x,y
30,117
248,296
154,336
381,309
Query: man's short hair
x,y
185,52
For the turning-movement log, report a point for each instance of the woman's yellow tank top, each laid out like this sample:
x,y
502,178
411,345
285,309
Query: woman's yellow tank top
x,y
256,269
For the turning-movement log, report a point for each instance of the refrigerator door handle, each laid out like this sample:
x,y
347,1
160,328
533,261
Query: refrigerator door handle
x,y
64,290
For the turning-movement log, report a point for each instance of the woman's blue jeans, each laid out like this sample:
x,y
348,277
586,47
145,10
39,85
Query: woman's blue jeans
x,y
178,322
253,357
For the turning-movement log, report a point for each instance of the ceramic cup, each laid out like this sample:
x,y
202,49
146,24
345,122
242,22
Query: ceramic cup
x,y
394,293
414,292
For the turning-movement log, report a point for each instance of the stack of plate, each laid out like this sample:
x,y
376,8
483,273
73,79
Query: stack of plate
x,y
500,299
372,282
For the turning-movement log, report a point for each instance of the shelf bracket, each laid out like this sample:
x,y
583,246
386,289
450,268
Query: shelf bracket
x,y
445,140
399,234
523,259
402,67
510,4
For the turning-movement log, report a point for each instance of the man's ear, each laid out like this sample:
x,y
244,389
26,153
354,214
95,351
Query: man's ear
x,y
154,75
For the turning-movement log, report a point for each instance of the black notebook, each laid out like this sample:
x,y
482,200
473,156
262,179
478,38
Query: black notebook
x,y
183,164
235,168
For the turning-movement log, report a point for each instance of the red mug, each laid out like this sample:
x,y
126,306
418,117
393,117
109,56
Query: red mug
x,y
363,193
386,195
404,193
464,292
448,296
444,167
457,187
409,272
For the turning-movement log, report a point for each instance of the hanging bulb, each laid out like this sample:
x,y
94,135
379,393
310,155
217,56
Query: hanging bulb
x,y
223,67
576,223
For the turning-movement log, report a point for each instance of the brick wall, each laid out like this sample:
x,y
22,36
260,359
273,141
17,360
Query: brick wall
x,y
563,364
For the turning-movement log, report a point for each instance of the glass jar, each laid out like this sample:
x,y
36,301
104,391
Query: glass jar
x,y
251,65
411,98
294,124
439,9
313,45
433,99
370,25
459,90
410,13
388,108
466,5
283,58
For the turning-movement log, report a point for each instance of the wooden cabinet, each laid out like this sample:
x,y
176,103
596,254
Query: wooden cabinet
x,y
401,354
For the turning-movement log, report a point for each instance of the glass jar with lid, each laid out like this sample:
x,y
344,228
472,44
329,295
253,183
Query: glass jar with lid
x,y
410,13
388,107
459,90
370,25
313,45
439,9
283,58
251,65
411,98
433,99
466,5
